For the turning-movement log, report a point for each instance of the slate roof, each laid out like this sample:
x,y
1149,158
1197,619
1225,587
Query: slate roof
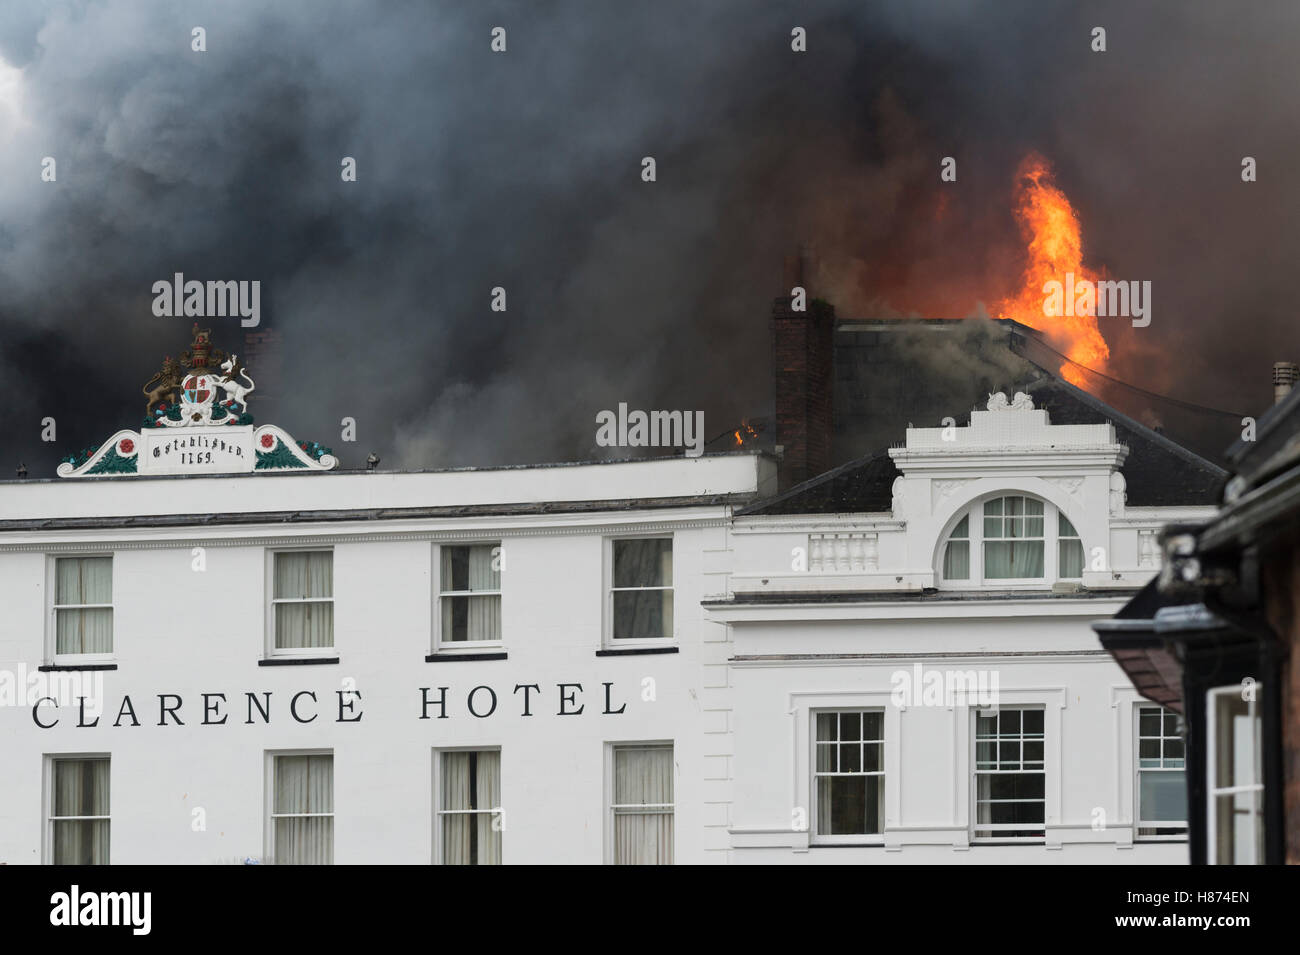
x,y
1158,471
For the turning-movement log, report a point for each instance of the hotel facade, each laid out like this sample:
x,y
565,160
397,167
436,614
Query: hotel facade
x,y
633,662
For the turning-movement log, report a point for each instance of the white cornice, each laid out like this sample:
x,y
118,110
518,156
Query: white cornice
x,y
801,523
465,529
932,608
998,460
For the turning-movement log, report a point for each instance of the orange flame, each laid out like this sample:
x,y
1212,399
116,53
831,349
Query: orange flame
x,y
748,433
1050,225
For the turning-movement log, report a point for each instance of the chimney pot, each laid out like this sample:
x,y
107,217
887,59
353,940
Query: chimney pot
x,y
1285,375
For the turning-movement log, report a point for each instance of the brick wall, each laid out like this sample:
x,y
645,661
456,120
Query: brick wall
x,y
802,348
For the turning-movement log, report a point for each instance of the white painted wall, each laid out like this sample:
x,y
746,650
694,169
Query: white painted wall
x,y
928,749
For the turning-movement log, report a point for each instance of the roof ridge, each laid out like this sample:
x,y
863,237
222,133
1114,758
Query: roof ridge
x,y
1150,434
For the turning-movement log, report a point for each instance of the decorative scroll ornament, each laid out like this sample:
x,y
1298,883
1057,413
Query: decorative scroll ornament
x,y
941,490
197,422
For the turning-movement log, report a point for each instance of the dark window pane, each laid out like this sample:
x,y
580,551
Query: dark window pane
x,y
1164,797
872,757
826,726
849,805
1033,724
850,757
643,614
643,563
825,758
873,726
850,726
1015,785
832,759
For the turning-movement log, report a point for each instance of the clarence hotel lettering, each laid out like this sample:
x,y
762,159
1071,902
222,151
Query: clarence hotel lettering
x,y
304,706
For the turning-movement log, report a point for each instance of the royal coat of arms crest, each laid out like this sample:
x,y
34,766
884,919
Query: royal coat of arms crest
x,y
202,398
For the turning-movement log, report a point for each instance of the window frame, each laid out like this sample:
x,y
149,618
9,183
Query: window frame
x,y
852,838
1138,823
1212,791
436,801
298,653
611,748
47,801
52,653
973,510
450,648
269,815
976,827
608,640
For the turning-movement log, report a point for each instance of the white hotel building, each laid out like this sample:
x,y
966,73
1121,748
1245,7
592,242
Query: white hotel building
x,y
506,665
652,661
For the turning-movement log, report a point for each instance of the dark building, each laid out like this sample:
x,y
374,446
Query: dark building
x,y
1215,636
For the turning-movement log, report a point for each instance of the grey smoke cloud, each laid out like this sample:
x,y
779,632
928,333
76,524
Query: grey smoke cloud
x,y
521,170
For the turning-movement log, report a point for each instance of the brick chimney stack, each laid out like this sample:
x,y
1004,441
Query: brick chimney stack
x,y
802,348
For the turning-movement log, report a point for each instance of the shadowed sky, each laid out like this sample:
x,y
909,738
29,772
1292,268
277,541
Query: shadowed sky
x,y
522,170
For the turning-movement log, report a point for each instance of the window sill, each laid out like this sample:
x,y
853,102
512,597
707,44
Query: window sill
x,y
52,667
635,651
464,657
295,661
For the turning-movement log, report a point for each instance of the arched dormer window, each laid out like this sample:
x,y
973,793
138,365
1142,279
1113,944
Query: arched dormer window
x,y
1012,539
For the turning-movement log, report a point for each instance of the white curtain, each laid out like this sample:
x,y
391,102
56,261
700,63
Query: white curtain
x,y
307,577
80,789
1013,559
1069,549
1007,522
471,617
304,784
84,580
1071,557
643,614
956,560
956,553
471,781
643,777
